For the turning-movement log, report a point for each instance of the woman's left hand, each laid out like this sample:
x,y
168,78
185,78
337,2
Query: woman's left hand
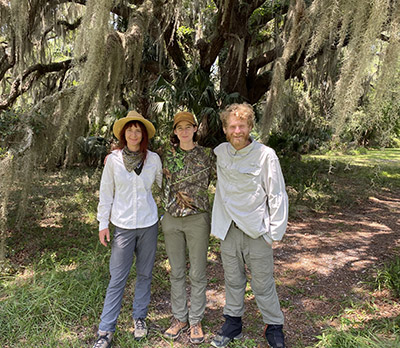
x,y
104,236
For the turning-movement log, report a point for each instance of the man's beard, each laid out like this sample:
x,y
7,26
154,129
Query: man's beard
x,y
231,138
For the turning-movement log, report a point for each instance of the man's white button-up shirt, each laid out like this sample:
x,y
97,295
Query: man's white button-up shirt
x,y
250,192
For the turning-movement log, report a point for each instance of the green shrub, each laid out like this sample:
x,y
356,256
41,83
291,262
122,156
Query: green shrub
x,y
395,142
9,121
93,150
389,277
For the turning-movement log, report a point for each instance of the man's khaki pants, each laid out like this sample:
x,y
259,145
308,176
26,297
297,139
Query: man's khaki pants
x,y
237,250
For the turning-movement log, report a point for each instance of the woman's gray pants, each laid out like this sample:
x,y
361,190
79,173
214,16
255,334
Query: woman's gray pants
x,y
142,243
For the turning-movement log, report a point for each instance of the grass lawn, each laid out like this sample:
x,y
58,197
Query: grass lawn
x,y
384,164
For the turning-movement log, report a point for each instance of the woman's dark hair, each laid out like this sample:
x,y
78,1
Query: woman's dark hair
x,y
175,140
145,138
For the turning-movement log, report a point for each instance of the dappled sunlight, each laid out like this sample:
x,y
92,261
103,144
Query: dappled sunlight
x,y
159,315
324,261
359,314
391,175
50,223
67,268
392,204
389,156
212,256
26,277
66,336
215,299
164,264
336,256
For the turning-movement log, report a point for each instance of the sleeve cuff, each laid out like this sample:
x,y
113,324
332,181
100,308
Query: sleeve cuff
x,y
103,225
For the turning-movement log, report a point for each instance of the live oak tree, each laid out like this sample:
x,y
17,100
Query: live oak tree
x,y
69,67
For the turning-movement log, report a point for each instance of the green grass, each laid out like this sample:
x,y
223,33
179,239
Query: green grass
x,y
58,271
380,167
322,182
389,277
360,333
355,339
42,306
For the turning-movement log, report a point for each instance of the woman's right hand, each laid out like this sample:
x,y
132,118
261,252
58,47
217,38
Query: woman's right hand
x,y
104,236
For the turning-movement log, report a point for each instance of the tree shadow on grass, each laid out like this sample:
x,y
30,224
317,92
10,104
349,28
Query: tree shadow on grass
x,y
54,221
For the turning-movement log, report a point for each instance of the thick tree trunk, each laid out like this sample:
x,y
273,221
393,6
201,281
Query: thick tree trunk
x,y
234,67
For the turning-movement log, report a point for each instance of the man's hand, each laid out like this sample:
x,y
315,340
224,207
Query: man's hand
x,y
104,236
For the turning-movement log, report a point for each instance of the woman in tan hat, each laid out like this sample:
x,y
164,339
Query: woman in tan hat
x,y
186,223
126,201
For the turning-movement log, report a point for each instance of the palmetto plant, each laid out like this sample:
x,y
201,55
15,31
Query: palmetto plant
x,y
194,91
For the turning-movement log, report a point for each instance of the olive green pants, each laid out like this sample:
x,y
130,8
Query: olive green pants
x,y
191,232
238,250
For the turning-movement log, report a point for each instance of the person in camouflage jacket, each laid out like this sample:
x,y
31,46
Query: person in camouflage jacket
x,y
188,169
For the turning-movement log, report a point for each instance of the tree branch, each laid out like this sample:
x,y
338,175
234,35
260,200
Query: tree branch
x,y
120,10
70,26
254,4
259,86
259,62
209,51
173,48
29,76
6,61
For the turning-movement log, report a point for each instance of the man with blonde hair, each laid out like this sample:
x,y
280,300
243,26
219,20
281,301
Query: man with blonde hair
x,y
250,212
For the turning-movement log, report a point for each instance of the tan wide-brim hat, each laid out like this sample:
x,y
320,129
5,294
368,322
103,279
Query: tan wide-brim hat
x,y
133,116
184,116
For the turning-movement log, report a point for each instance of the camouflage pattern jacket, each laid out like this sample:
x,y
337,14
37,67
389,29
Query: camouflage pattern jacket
x,y
187,175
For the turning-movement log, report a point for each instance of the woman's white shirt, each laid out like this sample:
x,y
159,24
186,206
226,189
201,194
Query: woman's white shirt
x,y
125,197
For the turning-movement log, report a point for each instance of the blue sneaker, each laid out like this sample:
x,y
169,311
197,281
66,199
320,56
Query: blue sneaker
x,y
274,336
222,341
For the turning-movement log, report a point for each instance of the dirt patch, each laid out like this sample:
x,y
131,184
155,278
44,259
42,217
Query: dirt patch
x,y
325,261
